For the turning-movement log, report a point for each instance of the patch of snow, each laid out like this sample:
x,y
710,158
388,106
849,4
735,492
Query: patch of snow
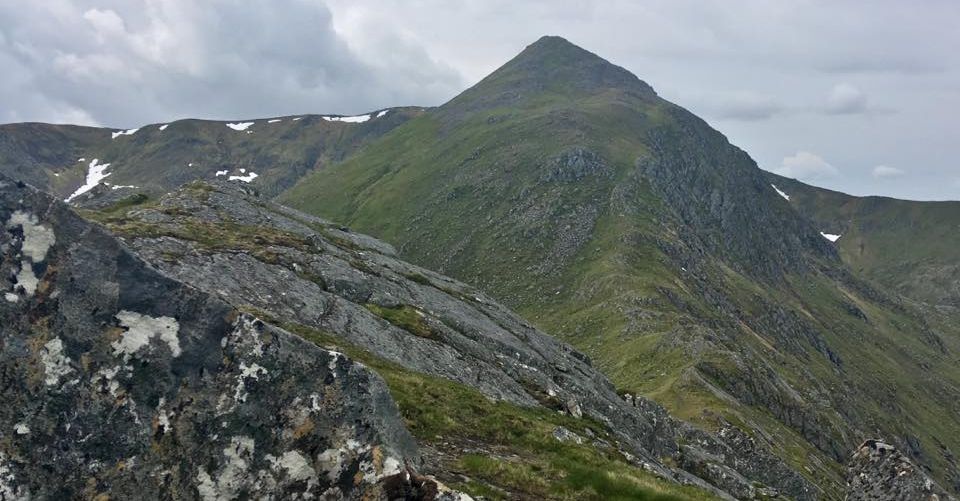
x,y
81,159
353,120
830,237
382,113
190,164
11,297
96,172
128,132
221,173
242,171
781,193
21,429
275,120
55,363
249,132
121,186
163,127
56,174
240,125
298,118
141,328
246,179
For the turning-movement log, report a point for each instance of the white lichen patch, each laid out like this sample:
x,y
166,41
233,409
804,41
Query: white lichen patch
x,y
107,379
332,461
27,279
231,479
21,429
298,468
335,460
141,329
252,371
335,357
55,364
163,417
7,479
37,239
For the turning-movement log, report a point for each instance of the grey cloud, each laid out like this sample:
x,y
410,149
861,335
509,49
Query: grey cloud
x,y
155,60
743,106
846,99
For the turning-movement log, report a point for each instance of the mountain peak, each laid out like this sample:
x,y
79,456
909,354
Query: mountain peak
x,y
556,59
552,64
556,43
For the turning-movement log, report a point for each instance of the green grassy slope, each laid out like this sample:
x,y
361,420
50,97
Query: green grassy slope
x,y
564,186
157,160
912,247
502,451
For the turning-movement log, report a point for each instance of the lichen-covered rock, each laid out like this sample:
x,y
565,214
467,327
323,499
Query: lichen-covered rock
x,y
879,472
119,382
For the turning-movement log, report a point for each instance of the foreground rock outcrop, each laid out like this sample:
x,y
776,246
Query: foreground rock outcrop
x,y
879,472
121,383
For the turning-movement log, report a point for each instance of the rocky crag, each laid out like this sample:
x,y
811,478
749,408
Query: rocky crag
x,y
878,472
122,383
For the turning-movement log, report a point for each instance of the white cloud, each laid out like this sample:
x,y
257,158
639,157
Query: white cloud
x,y
884,171
846,99
806,166
747,106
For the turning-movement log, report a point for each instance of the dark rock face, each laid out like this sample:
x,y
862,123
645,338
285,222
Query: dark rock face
x,y
879,472
716,190
575,164
119,381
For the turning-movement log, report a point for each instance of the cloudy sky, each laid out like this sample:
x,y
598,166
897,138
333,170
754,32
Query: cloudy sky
x,y
861,96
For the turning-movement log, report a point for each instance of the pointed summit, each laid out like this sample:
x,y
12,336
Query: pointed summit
x,y
551,65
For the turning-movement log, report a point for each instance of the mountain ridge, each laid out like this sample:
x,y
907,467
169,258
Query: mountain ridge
x,y
628,226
